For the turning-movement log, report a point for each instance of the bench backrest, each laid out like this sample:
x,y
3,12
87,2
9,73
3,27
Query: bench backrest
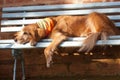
x,y
20,16
14,18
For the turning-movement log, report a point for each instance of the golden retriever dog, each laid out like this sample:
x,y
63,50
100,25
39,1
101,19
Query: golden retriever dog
x,y
93,26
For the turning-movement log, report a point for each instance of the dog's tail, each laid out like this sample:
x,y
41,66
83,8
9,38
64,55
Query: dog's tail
x,y
91,40
100,28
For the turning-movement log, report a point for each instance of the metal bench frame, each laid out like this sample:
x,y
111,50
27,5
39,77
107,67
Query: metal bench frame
x,y
20,16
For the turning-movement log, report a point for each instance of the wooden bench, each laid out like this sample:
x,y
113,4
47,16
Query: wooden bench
x,y
14,18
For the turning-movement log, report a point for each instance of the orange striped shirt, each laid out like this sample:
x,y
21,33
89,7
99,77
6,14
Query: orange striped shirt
x,y
46,24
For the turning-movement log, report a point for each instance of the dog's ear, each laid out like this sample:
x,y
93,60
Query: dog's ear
x,y
34,36
37,35
40,33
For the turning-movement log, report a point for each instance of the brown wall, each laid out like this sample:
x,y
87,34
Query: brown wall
x,y
98,64
31,2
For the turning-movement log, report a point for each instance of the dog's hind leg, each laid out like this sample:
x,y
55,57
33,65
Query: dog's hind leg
x,y
57,39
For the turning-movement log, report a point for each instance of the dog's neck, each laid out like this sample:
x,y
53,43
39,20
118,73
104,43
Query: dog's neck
x,y
47,24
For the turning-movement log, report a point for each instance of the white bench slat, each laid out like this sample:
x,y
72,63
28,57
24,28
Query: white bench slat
x,y
56,13
63,44
62,6
11,41
29,21
10,29
18,22
66,44
114,17
117,24
14,29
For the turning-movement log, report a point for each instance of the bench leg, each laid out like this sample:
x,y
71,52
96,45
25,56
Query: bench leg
x,y
23,69
18,54
14,69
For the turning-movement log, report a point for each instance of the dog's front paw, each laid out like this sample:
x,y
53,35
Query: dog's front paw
x,y
48,55
33,43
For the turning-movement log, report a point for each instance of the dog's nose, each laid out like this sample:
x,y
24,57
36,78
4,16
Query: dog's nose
x,y
15,40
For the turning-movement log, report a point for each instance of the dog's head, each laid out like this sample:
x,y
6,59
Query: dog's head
x,y
34,32
29,34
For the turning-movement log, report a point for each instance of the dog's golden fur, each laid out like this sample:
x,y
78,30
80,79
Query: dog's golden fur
x,y
93,26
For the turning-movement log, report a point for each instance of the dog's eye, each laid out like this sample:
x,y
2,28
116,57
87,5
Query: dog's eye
x,y
29,33
25,33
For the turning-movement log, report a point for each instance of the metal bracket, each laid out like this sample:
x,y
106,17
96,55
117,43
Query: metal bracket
x,y
17,53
